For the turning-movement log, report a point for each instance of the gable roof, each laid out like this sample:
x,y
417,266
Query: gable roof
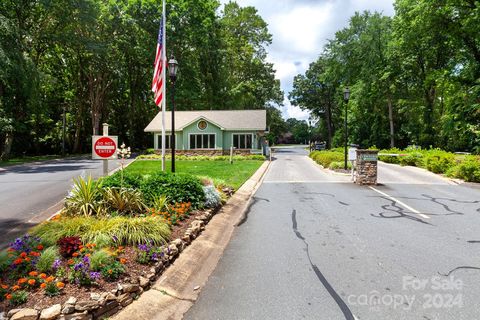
x,y
225,119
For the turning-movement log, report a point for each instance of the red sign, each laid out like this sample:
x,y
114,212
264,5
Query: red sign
x,y
105,147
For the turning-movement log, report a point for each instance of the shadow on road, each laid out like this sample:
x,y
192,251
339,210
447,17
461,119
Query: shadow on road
x,y
48,168
12,228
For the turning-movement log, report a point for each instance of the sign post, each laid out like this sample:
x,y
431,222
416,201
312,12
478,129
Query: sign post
x,y
104,147
352,157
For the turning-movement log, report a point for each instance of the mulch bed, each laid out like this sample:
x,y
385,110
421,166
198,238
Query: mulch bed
x,y
38,300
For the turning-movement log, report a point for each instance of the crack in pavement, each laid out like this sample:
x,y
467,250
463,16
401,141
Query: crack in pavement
x,y
445,206
249,208
459,268
473,241
395,209
341,304
173,296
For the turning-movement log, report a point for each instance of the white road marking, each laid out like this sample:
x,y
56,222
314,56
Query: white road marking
x,y
406,206
300,181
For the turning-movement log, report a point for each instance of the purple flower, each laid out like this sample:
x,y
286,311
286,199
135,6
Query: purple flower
x,y
143,247
115,239
56,264
86,260
155,256
94,275
78,266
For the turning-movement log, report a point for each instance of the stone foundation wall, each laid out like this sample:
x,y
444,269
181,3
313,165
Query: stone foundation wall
x,y
366,173
209,153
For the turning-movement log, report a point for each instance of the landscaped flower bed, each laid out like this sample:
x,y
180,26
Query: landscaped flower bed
x,y
107,246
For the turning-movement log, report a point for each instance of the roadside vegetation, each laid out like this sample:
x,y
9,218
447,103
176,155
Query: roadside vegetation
x,y
114,227
461,166
218,169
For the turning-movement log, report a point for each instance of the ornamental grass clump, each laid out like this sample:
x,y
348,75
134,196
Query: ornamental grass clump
x,y
47,259
126,230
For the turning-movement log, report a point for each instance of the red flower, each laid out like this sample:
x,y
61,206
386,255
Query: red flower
x,y
18,261
23,254
40,247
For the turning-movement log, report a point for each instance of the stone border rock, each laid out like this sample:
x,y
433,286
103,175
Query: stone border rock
x,y
106,304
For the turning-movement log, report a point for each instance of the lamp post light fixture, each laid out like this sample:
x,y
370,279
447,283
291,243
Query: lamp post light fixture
x,y
346,97
172,73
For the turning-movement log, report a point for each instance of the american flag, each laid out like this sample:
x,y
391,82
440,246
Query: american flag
x,y
157,83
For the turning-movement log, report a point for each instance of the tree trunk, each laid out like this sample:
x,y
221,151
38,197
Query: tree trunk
x,y
390,119
7,146
328,115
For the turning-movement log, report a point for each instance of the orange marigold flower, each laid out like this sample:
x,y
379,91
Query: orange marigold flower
x,y
31,282
27,259
123,260
10,250
33,273
40,247
120,248
110,271
75,254
60,285
43,285
15,288
35,254
88,255
43,275
70,261
8,296
22,280
23,254
18,261
49,279
4,286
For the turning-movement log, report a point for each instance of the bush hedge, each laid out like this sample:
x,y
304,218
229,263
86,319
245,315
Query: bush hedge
x,y
325,158
178,187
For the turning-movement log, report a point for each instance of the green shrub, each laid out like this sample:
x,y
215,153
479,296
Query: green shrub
x,y
469,170
99,259
412,159
178,188
47,258
390,159
439,162
126,230
150,151
102,240
340,165
130,180
85,197
160,203
324,158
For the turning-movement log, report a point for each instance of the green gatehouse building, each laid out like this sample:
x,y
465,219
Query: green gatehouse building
x,y
212,132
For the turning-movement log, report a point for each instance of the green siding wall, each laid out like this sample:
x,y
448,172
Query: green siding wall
x,y
223,139
211,128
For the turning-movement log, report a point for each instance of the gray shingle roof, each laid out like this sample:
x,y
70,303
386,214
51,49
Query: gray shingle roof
x,y
225,119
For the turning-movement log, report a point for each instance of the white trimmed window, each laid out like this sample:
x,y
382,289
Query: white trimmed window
x,y
242,141
202,141
168,145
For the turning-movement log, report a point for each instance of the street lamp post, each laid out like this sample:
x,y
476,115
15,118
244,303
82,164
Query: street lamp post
x,y
346,97
172,72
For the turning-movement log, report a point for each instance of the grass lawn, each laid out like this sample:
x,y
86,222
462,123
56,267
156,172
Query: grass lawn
x,y
233,175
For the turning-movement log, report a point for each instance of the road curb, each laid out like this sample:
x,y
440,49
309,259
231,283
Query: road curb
x,y
180,285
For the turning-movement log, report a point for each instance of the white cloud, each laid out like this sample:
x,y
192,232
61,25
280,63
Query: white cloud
x,y
300,29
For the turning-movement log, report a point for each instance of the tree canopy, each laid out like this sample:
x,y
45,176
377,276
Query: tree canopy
x,y
414,78
94,59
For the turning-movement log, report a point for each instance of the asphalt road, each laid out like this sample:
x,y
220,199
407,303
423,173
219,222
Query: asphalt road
x,y
32,192
316,246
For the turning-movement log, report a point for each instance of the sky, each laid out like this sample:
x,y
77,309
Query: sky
x,y
300,29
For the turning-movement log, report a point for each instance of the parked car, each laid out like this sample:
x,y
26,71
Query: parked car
x,y
320,146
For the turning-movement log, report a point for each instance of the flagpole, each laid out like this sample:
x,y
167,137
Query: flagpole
x,y
164,66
